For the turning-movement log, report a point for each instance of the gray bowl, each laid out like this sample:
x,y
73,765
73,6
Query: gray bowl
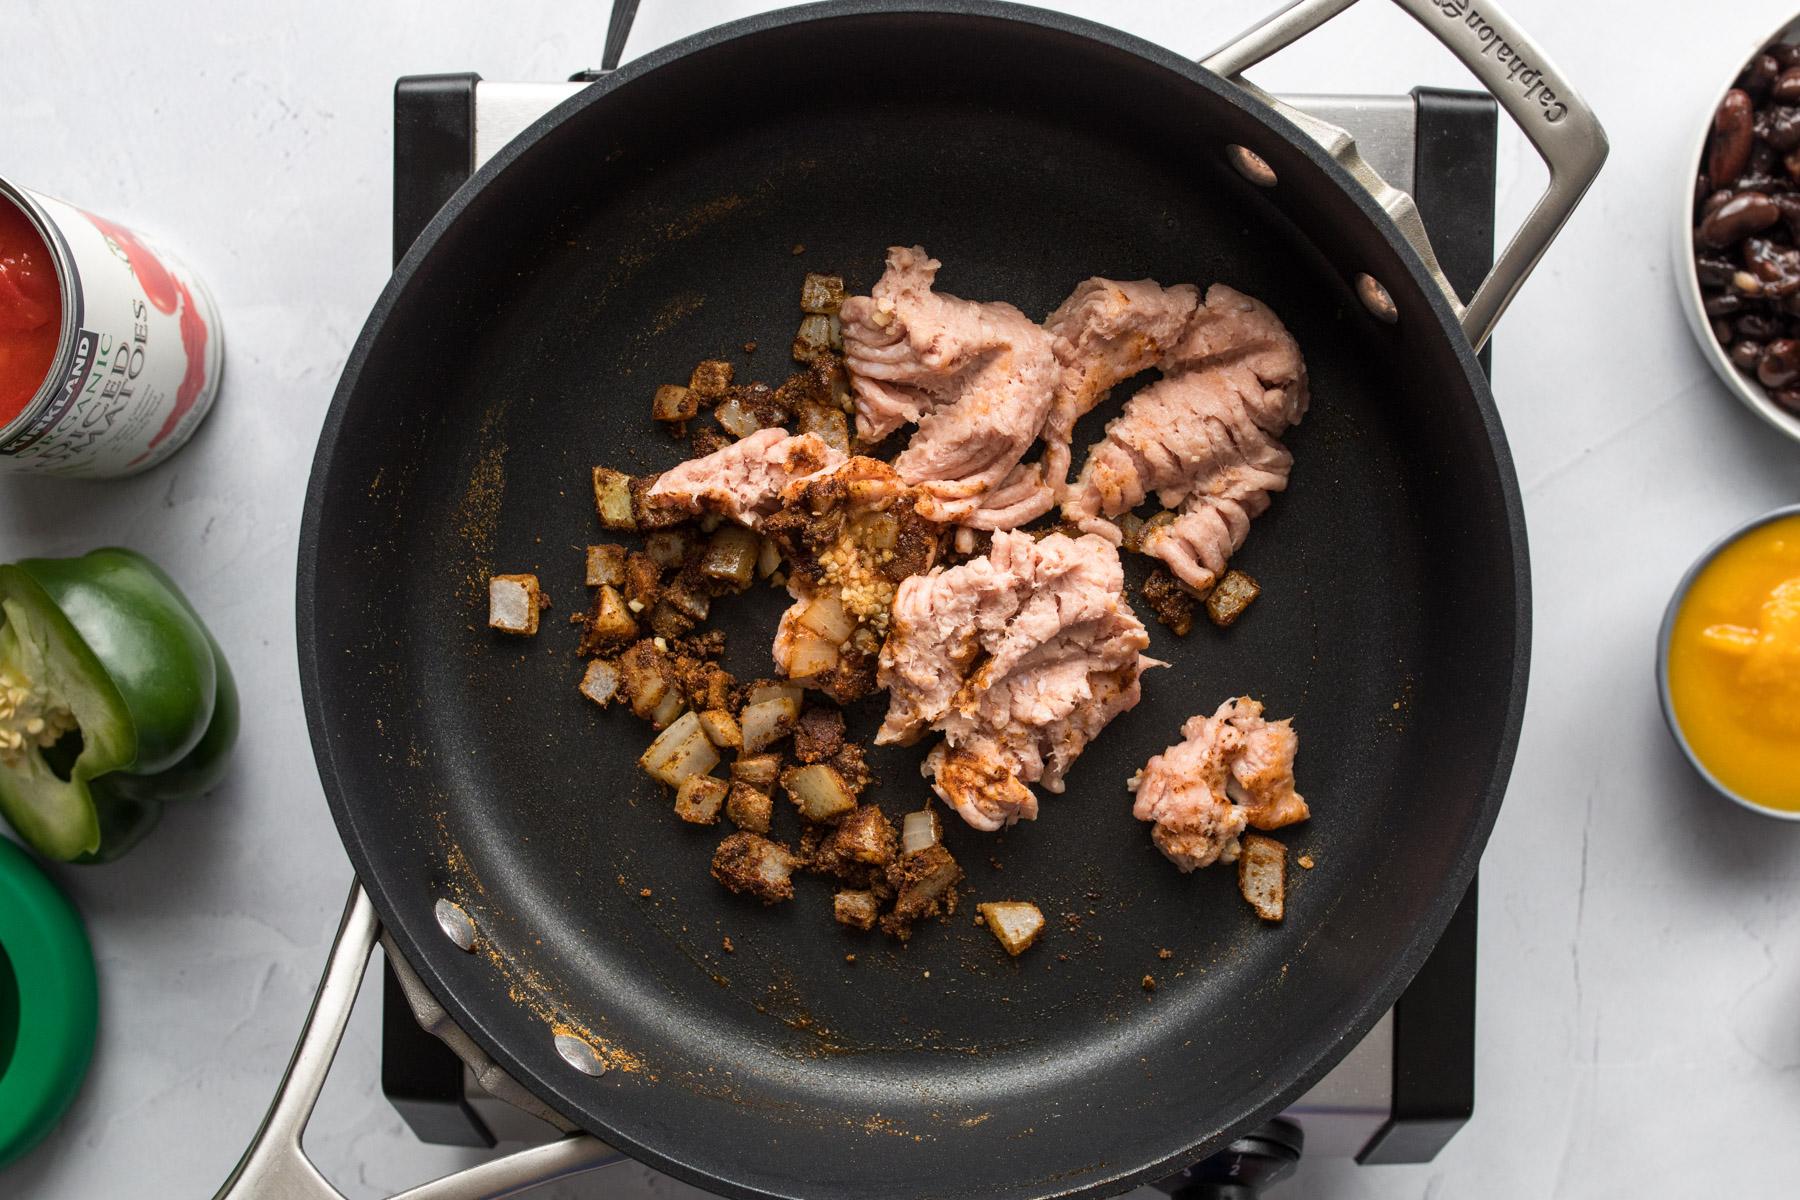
x,y
1743,385
1662,659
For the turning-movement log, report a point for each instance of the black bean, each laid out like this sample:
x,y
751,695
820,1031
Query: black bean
x,y
1758,327
1744,214
1786,397
1722,330
1775,267
1714,270
1786,88
1781,127
1723,304
1746,354
1760,75
1780,363
1768,185
1733,136
1785,54
1714,202
1789,206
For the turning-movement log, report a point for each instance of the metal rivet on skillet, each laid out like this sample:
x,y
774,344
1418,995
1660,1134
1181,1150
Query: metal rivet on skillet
x,y
1375,298
580,1055
456,924
1251,166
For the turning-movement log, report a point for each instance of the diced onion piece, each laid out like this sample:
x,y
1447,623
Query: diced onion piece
x,y
1230,597
601,681
856,909
699,799
767,722
821,293
825,616
768,559
757,769
667,547
674,403
606,565
646,683
685,600
1262,875
1156,522
737,419
612,499
818,791
749,807
1015,923
679,751
731,556
830,424
810,657
878,530
769,689
721,729
710,379
667,709
1131,532
920,830
812,341
611,620
513,604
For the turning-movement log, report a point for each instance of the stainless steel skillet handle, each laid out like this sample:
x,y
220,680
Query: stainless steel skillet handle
x,y
1524,82
276,1168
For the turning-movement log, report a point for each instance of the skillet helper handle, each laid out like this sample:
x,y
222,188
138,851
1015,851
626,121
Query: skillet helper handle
x,y
1555,119
276,1168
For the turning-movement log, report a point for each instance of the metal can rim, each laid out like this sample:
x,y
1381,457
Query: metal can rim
x,y
68,281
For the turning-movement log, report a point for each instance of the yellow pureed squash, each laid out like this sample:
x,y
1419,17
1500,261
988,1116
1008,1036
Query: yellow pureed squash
x,y
1734,665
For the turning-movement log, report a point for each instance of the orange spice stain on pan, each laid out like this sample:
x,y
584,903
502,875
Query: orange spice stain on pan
x,y
624,262
477,516
525,985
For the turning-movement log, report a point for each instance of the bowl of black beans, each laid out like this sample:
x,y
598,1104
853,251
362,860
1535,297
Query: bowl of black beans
x,y
1740,251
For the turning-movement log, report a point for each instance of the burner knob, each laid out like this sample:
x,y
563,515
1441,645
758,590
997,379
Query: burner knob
x,y
1240,1171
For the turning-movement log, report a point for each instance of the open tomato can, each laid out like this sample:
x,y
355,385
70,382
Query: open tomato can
x,y
110,349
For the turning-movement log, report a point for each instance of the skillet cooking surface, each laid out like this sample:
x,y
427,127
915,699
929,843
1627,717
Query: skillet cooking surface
x,y
652,227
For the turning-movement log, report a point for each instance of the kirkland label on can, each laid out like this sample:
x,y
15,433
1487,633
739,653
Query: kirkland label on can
x,y
142,368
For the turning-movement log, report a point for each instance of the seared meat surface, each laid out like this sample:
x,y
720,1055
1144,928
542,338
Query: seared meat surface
x,y
1204,439
850,529
744,480
1019,658
1232,769
849,537
975,377
1105,332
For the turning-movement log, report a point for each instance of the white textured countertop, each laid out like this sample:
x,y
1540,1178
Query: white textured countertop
x,y
1638,973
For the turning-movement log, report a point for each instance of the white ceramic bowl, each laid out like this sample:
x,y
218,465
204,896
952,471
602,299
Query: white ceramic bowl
x,y
1662,655
1687,282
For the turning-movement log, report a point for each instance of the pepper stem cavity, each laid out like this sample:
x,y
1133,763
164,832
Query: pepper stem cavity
x,y
30,718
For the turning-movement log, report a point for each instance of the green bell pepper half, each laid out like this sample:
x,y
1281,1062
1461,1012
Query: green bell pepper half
x,y
114,701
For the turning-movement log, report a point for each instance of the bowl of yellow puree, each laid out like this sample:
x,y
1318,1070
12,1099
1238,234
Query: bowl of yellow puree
x,y
1728,665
